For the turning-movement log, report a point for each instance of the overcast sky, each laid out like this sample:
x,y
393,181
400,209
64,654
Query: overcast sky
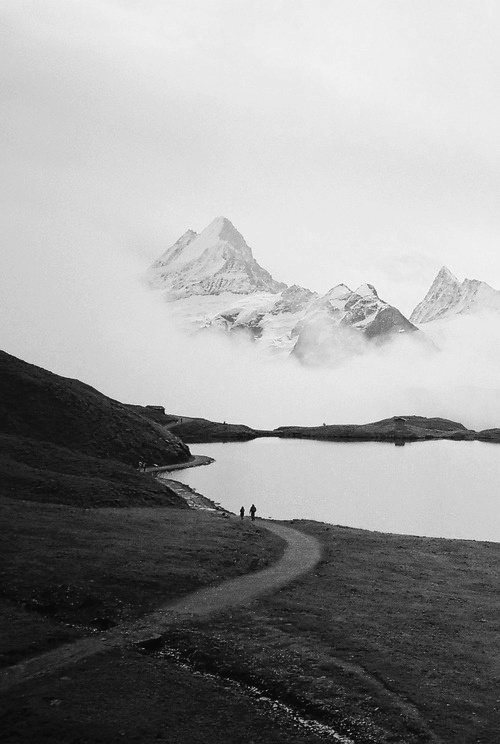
x,y
348,141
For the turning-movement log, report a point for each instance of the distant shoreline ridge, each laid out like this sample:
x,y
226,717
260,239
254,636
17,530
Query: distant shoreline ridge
x,y
395,430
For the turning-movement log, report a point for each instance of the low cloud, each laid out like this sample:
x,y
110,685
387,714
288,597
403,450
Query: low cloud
x,y
122,128
83,311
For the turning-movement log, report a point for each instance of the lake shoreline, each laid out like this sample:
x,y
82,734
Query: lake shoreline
x,y
194,461
434,491
395,430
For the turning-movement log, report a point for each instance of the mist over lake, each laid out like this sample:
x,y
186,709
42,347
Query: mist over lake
x,y
437,489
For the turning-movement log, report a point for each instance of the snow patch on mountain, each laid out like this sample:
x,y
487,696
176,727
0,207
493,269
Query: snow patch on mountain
x,y
339,324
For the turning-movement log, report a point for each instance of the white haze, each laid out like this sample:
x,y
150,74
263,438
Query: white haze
x,y
348,142
117,335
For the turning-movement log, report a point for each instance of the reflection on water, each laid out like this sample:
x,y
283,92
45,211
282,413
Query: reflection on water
x,y
439,489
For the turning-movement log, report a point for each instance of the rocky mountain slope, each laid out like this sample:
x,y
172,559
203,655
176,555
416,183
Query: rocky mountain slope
x,y
217,260
448,296
213,281
339,324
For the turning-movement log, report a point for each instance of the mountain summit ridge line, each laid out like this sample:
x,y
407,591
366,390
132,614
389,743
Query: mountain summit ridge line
x,y
214,281
449,297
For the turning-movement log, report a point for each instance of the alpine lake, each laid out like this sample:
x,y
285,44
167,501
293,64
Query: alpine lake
x,y
436,488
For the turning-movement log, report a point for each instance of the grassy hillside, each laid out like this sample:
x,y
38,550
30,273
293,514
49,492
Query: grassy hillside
x,y
390,638
413,428
154,413
40,471
67,572
202,430
489,435
40,405
63,442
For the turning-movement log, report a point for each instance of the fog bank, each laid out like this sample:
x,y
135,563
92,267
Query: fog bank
x,y
86,313
371,156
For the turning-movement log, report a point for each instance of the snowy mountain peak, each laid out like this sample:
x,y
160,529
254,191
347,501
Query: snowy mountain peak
x,y
223,228
188,236
367,290
340,323
337,293
217,283
444,278
216,260
444,274
293,300
447,297
176,249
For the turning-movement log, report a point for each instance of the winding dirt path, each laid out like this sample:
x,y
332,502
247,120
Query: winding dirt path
x,y
301,554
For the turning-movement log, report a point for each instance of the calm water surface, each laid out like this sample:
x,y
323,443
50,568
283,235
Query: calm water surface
x,y
439,489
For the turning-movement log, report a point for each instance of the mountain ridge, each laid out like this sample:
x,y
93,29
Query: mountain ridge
x,y
212,281
216,260
447,297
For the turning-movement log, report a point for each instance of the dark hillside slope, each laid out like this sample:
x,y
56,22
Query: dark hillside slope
x,y
202,430
154,413
40,405
489,435
31,470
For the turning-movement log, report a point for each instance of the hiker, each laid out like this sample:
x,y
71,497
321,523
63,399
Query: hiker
x,y
242,512
253,509
140,466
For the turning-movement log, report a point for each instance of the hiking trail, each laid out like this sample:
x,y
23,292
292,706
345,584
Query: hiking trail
x,y
302,553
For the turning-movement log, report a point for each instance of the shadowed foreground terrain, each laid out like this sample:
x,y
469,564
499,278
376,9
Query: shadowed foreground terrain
x,y
62,441
389,639
40,405
44,472
67,572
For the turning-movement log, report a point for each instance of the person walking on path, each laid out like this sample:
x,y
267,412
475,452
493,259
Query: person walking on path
x,y
253,509
242,512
